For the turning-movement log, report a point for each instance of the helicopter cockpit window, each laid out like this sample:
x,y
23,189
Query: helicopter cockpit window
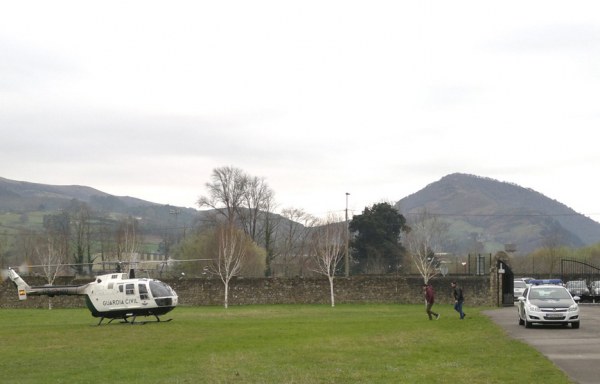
x,y
143,291
159,289
129,289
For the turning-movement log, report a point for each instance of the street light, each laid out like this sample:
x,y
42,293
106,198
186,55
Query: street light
x,y
347,264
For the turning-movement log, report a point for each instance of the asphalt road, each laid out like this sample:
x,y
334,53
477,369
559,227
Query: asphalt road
x,y
575,351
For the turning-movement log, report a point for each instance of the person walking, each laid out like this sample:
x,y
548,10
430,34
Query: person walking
x,y
429,294
458,299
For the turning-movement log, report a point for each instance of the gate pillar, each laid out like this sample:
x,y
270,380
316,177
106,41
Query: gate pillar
x,y
502,280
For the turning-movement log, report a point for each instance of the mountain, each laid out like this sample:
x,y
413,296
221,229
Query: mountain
x,y
24,198
485,214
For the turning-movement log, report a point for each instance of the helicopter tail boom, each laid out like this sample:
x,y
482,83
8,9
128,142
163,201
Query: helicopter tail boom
x,y
25,289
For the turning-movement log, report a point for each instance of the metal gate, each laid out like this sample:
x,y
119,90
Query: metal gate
x,y
572,271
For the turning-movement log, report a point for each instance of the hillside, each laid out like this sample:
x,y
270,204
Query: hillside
x,y
484,214
36,199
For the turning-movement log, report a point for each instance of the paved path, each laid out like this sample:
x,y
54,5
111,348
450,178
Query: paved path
x,y
575,351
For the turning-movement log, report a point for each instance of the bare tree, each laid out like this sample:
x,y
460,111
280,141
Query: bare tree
x,y
292,239
231,251
128,240
423,241
271,225
552,244
26,245
242,200
81,222
104,238
50,254
257,200
226,192
58,228
3,247
328,242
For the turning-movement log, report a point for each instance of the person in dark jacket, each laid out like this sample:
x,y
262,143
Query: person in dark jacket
x,y
458,299
429,294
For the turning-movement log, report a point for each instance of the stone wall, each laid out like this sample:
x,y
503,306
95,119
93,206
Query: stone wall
x,y
244,291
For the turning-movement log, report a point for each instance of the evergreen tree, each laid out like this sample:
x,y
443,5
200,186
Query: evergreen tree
x,y
376,246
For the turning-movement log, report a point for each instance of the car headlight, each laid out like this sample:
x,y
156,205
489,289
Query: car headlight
x,y
533,308
573,308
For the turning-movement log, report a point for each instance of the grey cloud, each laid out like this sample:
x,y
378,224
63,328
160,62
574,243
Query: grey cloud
x,y
551,38
449,95
24,66
90,136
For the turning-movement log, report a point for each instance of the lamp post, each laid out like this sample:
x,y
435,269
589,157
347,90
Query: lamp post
x,y
347,264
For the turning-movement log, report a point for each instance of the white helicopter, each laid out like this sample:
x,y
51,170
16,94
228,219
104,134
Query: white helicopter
x,y
111,296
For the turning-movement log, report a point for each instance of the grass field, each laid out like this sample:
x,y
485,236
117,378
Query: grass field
x,y
267,344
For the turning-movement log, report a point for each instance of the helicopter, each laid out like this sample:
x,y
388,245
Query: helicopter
x,y
111,296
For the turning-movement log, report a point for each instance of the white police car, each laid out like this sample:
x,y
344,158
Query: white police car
x,y
548,304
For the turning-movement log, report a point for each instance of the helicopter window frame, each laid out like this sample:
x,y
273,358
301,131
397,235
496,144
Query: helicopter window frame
x,y
143,290
130,289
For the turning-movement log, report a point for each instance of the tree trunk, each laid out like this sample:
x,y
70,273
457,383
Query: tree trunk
x,y
331,291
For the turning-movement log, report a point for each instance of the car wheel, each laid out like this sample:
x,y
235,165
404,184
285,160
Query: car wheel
x,y
521,322
575,325
528,324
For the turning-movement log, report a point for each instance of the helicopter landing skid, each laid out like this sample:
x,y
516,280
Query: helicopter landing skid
x,y
125,320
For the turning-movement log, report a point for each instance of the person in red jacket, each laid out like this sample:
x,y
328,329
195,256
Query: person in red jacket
x,y
429,301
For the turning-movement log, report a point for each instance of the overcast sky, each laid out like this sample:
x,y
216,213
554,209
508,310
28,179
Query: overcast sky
x,y
375,98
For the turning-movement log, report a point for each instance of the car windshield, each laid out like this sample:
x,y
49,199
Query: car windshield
x,y
549,294
520,284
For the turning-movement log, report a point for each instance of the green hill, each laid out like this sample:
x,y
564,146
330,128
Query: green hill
x,y
485,214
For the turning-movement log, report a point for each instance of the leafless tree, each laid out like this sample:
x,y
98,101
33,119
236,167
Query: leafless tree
x,y
105,240
231,251
51,256
424,239
292,239
242,200
128,240
58,228
552,244
257,200
226,192
82,236
328,242
270,228
26,244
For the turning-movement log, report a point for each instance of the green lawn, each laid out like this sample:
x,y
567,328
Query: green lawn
x,y
267,344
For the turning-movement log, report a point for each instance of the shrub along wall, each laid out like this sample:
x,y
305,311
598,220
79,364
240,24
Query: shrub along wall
x,y
243,291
